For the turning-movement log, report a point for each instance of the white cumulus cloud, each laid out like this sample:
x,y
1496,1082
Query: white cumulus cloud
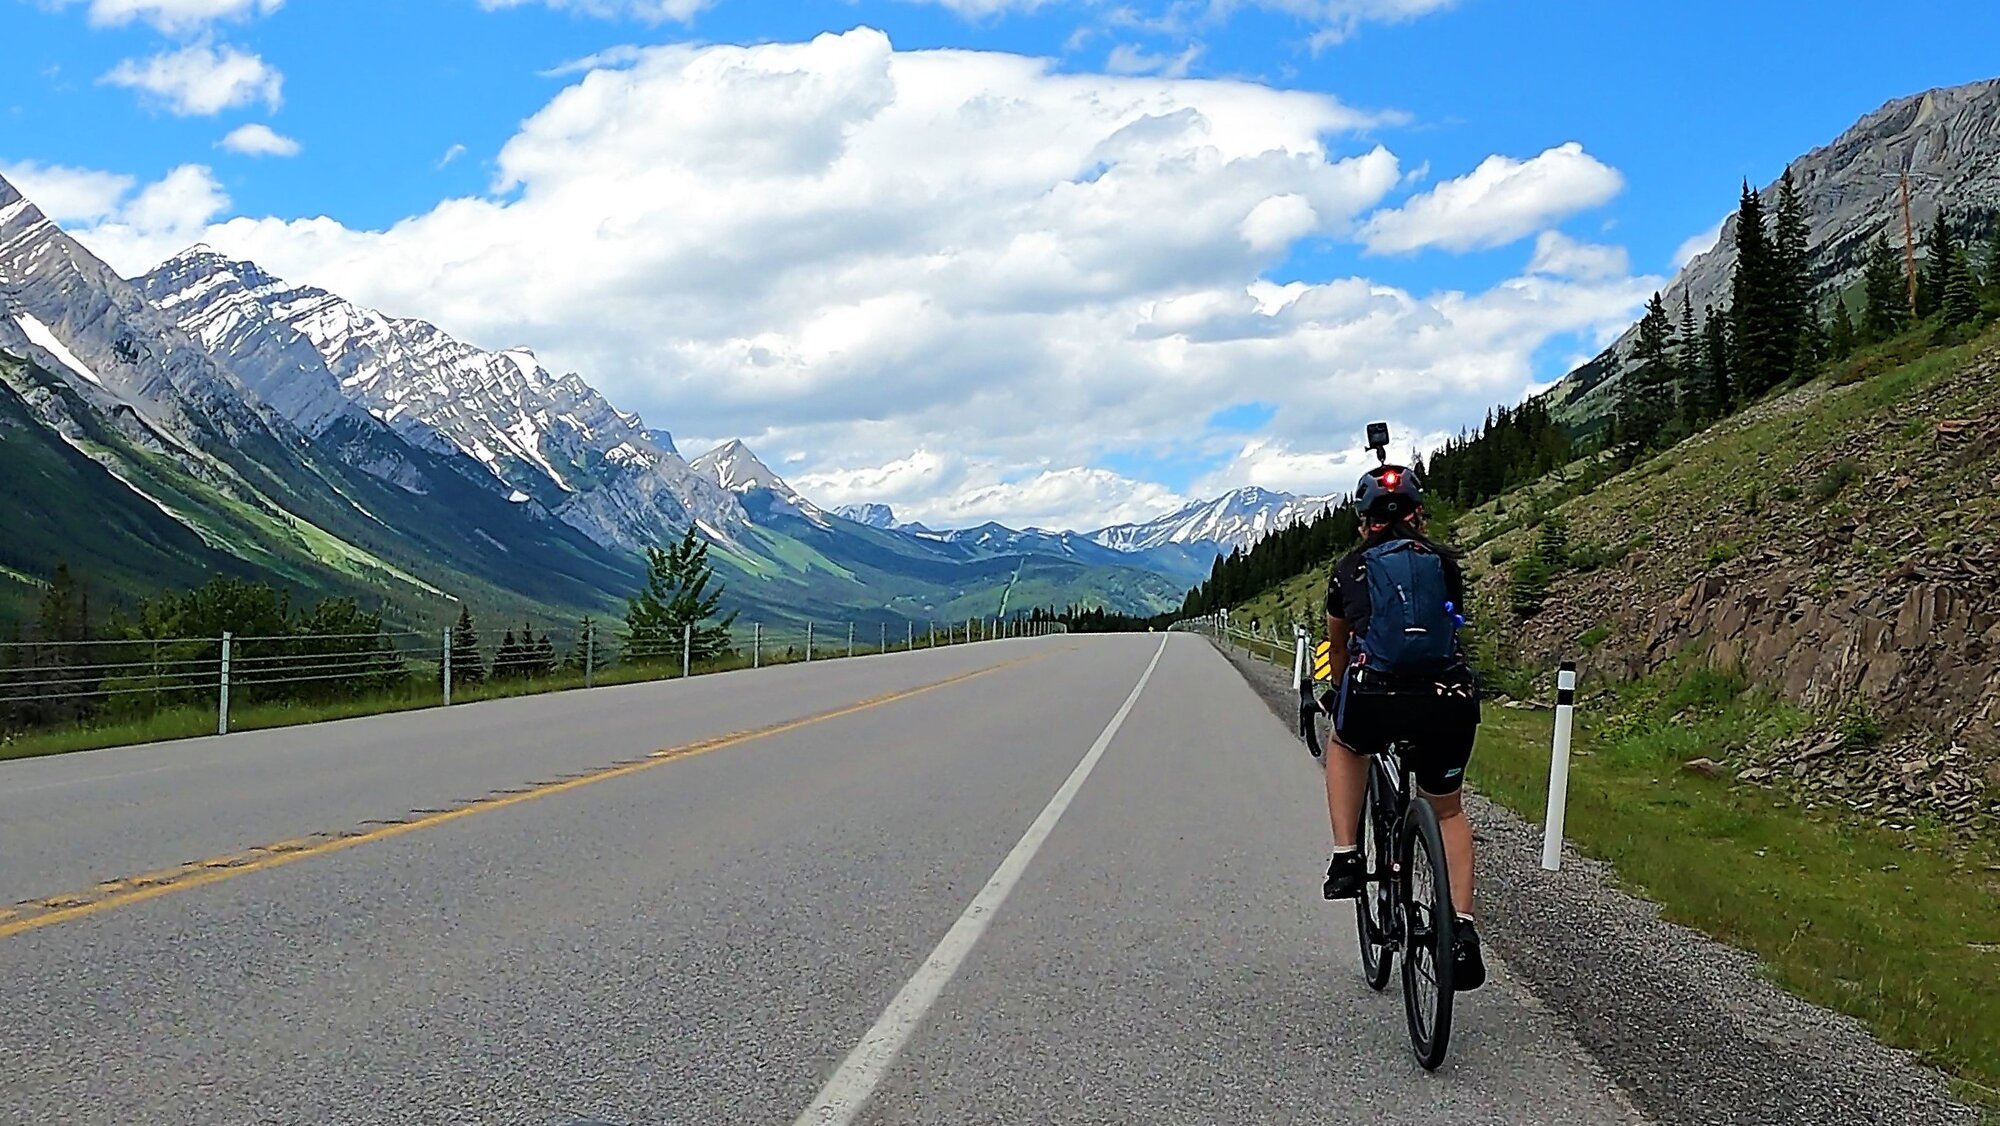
x,y
1558,254
202,79
1130,58
69,195
259,140
647,11
174,16
1499,202
959,282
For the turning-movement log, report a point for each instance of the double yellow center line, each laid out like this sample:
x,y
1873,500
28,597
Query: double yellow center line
x,y
38,913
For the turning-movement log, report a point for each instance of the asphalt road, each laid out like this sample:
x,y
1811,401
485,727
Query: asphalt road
x,y
1028,911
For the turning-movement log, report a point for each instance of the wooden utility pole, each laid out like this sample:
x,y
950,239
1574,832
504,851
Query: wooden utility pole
x,y
1909,245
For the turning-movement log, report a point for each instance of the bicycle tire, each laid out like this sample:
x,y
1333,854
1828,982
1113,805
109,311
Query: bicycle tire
x,y
1429,924
1372,906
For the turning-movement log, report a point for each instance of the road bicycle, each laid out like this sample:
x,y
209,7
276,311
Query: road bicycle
x,y
1405,902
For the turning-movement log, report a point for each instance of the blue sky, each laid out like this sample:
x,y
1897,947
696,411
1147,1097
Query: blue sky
x,y
376,94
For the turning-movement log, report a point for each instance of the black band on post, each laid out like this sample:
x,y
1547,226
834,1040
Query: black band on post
x,y
1565,697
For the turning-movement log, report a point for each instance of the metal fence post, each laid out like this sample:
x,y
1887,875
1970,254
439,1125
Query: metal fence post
x,y
885,637
933,635
809,643
222,703
756,644
850,639
447,668
687,650
590,655
910,640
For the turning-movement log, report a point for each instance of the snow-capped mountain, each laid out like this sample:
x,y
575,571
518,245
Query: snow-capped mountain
x,y
543,438
733,466
152,460
873,515
1235,519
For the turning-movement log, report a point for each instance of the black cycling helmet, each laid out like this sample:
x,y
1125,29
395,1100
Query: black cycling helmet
x,y
1387,493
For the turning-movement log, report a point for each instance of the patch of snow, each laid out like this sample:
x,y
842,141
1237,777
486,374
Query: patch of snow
x,y
518,497
40,334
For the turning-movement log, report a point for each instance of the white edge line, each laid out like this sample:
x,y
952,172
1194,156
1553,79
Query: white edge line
x,y
840,1101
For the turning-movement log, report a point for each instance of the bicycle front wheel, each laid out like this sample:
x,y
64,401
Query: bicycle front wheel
x,y
1428,929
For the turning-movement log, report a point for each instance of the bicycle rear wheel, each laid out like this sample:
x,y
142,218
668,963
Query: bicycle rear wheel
x,y
1428,929
1372,906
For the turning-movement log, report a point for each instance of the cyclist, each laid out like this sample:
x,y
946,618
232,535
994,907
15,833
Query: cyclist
x,y
1430,706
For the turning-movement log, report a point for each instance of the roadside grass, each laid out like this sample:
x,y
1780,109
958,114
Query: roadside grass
x,y
196,720
1899,930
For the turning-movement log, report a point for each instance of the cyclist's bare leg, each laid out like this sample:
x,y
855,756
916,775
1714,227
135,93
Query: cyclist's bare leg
x,y
1346,786
1457,834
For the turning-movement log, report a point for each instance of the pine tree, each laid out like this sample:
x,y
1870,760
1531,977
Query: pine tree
x,y
1940,251
1886,305
1840,336
468,665
1793,280
1715,360
1993,253
1959,301
675,598
507,659
541,657
1645,401
1689,373
1756,328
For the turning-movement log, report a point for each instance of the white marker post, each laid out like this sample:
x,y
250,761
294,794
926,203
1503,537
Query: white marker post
x,y
1300,645
1552,830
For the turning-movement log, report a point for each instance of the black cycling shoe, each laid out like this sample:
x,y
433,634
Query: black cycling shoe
x,y
1468,967
1345,875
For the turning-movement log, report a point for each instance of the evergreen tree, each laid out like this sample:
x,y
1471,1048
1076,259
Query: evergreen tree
x,y
1552,543
1840,335
1940,252
1959,299
1993,253
1645,401
1886,304
468,665
1691,375
1798,328
1761,347
1715,360
542,657
677,596
507,660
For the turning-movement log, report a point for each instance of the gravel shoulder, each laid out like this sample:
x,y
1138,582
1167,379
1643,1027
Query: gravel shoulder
x,y
1687,1026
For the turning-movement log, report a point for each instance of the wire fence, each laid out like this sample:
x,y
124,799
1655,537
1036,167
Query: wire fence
x,y
55,684
1274,643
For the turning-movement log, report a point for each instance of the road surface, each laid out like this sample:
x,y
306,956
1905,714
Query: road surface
x,y
1069,879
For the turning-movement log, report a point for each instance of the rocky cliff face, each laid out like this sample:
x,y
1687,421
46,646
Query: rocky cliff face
x,y
1947,140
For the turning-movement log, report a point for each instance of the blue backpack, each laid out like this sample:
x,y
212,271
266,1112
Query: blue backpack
x,y
1410,630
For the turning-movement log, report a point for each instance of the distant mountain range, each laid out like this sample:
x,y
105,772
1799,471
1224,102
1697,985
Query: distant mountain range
x,y
209,418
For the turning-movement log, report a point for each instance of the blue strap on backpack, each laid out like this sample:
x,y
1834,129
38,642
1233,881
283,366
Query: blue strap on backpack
x,y
1411,626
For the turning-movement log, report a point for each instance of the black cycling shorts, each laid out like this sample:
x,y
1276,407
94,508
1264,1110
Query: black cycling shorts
x,y
1435,730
